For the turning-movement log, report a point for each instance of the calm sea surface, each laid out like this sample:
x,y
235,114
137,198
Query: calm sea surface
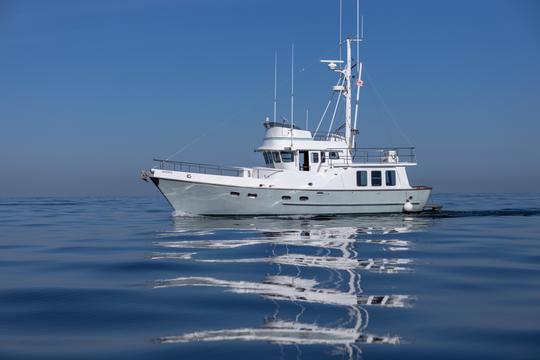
x,y
120,278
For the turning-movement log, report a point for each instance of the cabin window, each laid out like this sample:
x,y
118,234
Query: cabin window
x,y
235,193
285,197
323,157
287,156
390,178
315,157
333,155
252,196
376,178
277,158
267,158
304,198
361,178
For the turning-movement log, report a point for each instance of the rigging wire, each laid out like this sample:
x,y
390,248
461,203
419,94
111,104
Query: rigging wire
x,y
233,117
334,114
327,106
387,109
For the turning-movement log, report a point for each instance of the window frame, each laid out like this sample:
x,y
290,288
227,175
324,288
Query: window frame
x,y
359,178
288,153
394,178
267,157
379,177
276,157
333,155
315,157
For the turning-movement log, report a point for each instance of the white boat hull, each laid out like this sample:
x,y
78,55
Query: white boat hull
x,y
194,198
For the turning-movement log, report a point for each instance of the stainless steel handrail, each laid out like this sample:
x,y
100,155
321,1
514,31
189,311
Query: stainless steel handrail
x,y
374,155
358,155
198,168
404,154
324,135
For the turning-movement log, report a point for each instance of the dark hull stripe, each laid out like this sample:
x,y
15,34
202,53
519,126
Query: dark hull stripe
x,y
387,204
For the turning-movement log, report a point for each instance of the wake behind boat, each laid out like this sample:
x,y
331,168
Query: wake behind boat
x,y
305,172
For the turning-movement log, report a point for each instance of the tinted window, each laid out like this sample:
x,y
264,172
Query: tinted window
x,y
277,159
287,156
315,157
333,155
323,156
376,178
391,178
361,178
267,158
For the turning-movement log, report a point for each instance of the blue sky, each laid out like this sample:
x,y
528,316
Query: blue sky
x,y
92,91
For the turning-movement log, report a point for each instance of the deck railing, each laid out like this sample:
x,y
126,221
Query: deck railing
x,y
198,168
325,136
384,155
359,155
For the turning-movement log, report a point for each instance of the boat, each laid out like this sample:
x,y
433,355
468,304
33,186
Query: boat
x,y
304,172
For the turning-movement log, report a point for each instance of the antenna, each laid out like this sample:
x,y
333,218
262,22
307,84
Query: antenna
x,y
275,85
292,85
362,28
340,28
307,118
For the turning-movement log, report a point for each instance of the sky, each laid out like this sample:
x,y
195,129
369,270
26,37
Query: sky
x,y
92,91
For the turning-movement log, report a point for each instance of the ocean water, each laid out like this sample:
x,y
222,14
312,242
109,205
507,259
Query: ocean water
x,y
120,278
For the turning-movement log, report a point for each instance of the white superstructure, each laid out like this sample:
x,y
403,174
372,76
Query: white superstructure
x,y
304,173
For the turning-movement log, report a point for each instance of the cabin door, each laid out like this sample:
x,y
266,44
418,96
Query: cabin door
x,y
304,160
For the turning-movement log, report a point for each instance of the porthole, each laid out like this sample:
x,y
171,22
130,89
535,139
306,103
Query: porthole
x,y
252,196
304,198
285,197
234,193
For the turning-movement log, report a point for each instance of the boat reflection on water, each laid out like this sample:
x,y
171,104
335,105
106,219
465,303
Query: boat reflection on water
x,y
337,243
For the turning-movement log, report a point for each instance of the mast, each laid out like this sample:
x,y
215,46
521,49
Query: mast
x,y
344,85
275,85
292,85
359,37
292,93
347,75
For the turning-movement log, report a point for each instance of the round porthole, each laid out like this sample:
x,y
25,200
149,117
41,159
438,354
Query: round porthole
x,y
188,176
310,184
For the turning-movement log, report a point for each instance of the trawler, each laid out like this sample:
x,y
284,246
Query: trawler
x,y
304,172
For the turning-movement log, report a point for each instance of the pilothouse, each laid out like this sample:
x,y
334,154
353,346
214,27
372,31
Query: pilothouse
x,y
304,172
